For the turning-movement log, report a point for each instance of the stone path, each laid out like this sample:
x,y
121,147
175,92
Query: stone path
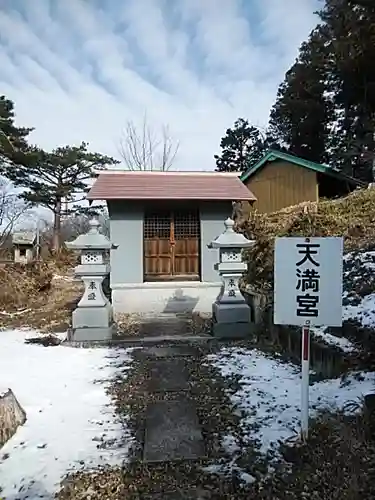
x,y
172,427
167,327
178,411
172,430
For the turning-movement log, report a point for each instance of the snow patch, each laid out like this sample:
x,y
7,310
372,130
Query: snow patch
x,y
64,278
15,313
358,267
268,396
3,391
341,342
71,423
364,312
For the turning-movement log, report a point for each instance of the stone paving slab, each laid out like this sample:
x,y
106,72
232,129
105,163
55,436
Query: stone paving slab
x,y
197,494
171,351
167,375
170,326
172,432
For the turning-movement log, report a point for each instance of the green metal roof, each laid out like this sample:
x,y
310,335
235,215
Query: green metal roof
x,y
273,155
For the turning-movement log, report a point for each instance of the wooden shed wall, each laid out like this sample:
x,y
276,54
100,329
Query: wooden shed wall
x,y
280,184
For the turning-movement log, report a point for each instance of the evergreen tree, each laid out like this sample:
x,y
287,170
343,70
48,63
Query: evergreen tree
x,y
52,179
325,108
242,145
13,139
301,115
350,29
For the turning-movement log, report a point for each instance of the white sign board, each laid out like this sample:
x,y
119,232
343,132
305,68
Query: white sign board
x,y
308,281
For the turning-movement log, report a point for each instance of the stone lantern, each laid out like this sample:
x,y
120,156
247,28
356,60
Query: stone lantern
x,y
93,318
230,313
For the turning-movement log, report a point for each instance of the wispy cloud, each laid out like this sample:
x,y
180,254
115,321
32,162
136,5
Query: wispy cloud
x,y
80,69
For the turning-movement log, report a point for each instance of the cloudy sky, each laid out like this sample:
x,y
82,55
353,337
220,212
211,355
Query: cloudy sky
x,y
81,69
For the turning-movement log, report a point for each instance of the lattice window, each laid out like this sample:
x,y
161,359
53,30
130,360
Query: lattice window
x,y
91,258
228,256
157,225
186,225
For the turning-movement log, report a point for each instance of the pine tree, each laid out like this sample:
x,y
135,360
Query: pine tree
x,y
241,146
53,177
300,117
13,140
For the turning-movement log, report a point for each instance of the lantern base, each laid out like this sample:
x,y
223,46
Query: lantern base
x,y
233,330
92,334
89,323
231,312
232,321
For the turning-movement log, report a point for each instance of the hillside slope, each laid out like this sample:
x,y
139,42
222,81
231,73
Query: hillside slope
x,y
352,217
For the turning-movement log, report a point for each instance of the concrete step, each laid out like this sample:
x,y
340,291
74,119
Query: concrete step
x,y
164,325
143,341
172,351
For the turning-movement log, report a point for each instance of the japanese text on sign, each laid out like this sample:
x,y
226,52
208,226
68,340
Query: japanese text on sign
x,y
308,280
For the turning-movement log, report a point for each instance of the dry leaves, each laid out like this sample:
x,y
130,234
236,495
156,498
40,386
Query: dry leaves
x,y
352,217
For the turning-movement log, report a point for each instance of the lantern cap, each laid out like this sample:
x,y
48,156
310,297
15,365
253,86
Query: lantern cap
x,y
92,240
230,238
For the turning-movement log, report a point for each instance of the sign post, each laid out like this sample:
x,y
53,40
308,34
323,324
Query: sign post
x,y
307,293
305,382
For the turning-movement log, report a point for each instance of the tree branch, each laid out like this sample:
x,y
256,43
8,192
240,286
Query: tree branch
x,y
145,150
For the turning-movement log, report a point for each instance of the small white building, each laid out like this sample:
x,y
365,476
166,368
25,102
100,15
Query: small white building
x,y
160,226
24,246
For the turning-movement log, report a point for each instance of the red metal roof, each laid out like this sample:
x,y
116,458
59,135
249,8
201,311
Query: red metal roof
x,y
112,185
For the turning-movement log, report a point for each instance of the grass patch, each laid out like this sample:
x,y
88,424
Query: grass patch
x,y
337,463
47,310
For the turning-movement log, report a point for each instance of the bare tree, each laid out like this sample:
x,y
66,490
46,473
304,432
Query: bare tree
x,y
13,210
72,226
145,149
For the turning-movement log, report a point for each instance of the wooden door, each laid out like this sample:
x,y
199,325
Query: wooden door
x,y
186,243
157,245
171,245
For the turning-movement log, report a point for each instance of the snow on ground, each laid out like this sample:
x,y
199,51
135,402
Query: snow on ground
x,y
269,395
359,288
65,278
359,273
364,312
341,342
69,414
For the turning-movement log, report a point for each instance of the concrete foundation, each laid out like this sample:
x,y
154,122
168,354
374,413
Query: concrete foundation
x,y
164,297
